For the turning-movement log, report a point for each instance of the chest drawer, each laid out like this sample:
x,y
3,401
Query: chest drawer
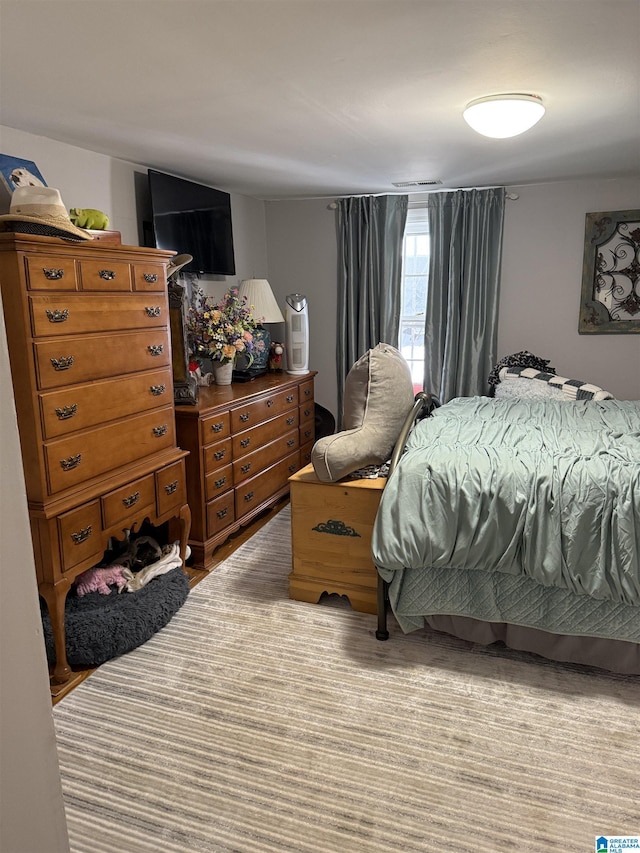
x,y
171,489
87,454
218,482
254,439
105,275
67,362
215,427
255,462
149,276
307,413
260,488
79,533
220,513
82,406
307,432
55,273
260,410
118,505
80,314
217,456
306,392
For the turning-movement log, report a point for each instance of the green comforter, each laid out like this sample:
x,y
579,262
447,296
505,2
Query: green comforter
x,y
545,489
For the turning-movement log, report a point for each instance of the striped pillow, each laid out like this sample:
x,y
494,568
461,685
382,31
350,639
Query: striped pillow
x,y
573,389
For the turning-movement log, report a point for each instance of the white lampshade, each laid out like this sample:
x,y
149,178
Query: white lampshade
x,y
260,297
501,116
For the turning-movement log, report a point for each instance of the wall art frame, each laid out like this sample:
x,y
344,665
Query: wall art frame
x,y
610,298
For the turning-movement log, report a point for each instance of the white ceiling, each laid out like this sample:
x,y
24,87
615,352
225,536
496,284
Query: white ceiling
x,y
304,98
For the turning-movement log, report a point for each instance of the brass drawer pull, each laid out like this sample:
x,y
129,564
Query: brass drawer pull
x,y
132,499
217,427
156,390
152,312
249,496
245,442
220,483
160,430
290,398
291,442
171,487
290,421
66,412
53,274
62,363
307,412
150,277
82,535
107,275
307,391
57,316
156,349
246,468
219,454
71,462
269,404
244,417
222,512
307,433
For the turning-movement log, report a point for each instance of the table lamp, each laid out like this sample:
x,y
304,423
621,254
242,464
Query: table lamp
x,y
264,309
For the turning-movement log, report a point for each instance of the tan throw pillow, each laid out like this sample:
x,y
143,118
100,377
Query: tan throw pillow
x,y
378,396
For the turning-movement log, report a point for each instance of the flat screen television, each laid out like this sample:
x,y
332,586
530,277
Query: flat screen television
x,y
193,219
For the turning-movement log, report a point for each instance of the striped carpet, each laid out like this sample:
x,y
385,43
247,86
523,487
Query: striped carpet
x,y
256,724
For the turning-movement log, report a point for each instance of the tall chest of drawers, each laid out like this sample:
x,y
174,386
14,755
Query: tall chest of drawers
x,y
90,352
244,440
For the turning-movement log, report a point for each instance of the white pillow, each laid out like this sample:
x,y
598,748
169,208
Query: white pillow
x,y
528,388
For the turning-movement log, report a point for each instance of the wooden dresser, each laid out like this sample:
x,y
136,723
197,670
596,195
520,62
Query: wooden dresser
x,y
244,440
90,352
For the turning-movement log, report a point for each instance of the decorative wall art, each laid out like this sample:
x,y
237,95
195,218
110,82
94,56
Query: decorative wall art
x,y
15,172
610,301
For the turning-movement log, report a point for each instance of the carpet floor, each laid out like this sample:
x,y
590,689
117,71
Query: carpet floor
x,y
256,724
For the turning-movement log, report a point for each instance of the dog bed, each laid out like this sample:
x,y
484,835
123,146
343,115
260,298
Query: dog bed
x,y
102,627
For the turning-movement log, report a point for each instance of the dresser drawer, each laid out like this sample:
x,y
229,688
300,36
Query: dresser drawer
x,y
307,432
215,427
67,362
149,276
55,273
250,465
306,392
118,505
171,490
216,456
307,413
218,482
305,454
87,454
79,314
220,513
82,406
268,406
254,439
105,275
80,537
261,488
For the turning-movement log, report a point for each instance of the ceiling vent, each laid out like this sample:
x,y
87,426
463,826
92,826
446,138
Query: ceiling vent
x,y
427,183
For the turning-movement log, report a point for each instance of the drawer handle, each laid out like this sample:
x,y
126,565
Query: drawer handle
x,y
152,311
307,433
66,412
290,398
269,404
150,277
62,363
160,430
219,454
307,412
107,275
249,497
307,391
57,316
132,499
290,421
156,349
244,417
222,512
171,487
292,468
245,442
291,442
217,427
53,274
71,463
220,483
156,390
82,535
246,468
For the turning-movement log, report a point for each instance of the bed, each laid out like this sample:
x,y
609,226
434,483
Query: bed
x,y
517,520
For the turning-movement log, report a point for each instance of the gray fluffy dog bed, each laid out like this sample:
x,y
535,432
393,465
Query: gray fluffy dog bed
x,y
101,627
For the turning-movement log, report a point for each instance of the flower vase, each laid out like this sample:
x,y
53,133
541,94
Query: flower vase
x,y
223,372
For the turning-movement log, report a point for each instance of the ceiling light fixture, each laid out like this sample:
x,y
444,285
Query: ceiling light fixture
x,y
501,116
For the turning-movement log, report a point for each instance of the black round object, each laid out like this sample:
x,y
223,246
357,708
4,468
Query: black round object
x,y
101,627
325,422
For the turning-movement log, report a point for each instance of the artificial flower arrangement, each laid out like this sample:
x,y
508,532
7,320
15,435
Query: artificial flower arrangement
x,y
221,330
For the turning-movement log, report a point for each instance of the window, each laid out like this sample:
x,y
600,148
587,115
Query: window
x,y
415,274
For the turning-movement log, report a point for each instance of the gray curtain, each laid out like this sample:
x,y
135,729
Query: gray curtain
x,y
464,286
370,233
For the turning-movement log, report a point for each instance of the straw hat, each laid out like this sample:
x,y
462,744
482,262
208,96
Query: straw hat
x,y
176,263
39,210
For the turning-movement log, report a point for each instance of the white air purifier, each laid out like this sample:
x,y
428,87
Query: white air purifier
x,y
296,317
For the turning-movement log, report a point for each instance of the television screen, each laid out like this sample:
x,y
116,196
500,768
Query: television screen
x,y
193,219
